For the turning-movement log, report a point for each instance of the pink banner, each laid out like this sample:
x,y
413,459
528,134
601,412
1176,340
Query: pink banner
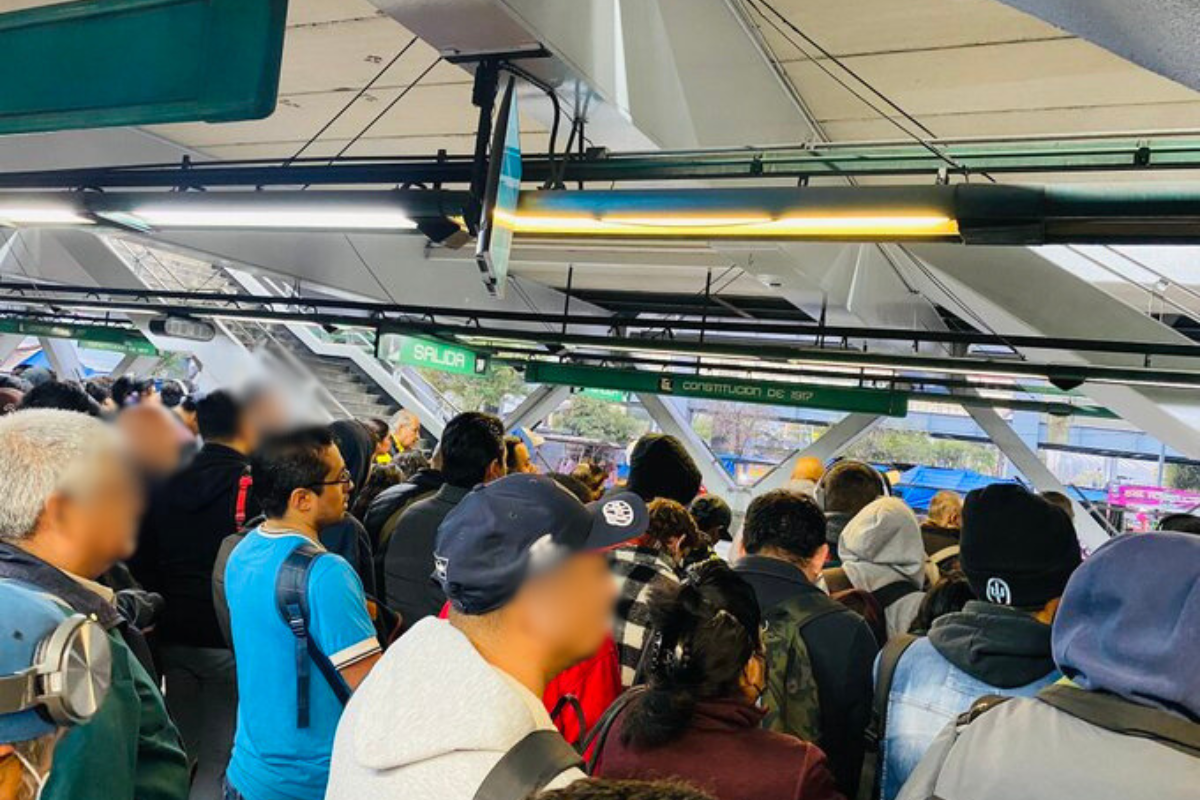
x,y
1159,497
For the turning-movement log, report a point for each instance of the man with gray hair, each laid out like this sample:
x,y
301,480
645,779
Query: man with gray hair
x,y
69,506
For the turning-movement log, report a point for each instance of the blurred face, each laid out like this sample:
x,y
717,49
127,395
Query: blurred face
x,y
153,436
98,522
408,432
570,609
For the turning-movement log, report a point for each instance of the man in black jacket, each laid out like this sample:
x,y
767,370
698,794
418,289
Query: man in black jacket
x,y
187,519
784,538
472,451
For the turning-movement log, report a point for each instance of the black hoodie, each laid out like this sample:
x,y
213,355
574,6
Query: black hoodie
x,y
181,534
1001,646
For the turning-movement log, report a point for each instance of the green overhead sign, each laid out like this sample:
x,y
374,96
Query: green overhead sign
x,y
95,63
433,354
833,398
94,337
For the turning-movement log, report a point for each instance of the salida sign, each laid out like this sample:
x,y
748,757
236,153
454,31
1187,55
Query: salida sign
x,y
440,356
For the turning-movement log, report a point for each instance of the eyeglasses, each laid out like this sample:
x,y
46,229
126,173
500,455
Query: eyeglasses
x,y
343,478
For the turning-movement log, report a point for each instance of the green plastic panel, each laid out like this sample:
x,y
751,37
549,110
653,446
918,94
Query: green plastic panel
x,y
97,63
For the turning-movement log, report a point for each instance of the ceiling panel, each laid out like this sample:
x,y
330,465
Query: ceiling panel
x,y
320,12
1062,74
852,27
455,144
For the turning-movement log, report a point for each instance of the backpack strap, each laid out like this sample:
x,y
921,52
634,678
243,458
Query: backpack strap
x,y
980,707
243,494
889,659
886,595
598,735
291,598
528,767
1119,715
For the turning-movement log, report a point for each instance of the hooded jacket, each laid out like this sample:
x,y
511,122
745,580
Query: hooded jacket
x,y
880,546
724,752
181,535
1125,628
983,650
430,722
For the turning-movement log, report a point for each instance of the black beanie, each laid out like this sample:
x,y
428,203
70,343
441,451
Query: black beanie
x,y
1017,549
660,467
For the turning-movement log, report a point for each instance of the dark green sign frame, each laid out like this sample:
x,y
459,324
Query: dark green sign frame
x,y
774,393
94,337
91,63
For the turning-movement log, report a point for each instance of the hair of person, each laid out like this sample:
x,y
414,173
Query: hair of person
x,y
573,485
99,389
1061,500
173,393
219,416
354,442
470,443
711,513
61,395
668,521
511,443
406,419
947,596
378,427
127,389
606,789
705,631
382,476
784,520
943,506
14,382
1180,523
47,451
592,475
850,486
287,462
410,462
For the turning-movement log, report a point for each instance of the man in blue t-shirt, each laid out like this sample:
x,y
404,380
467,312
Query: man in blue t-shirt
x,y
302,484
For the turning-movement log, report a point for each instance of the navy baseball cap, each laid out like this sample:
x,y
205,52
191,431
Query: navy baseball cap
x,y
519,526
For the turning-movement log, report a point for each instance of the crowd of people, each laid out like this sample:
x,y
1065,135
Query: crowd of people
x,y
202,600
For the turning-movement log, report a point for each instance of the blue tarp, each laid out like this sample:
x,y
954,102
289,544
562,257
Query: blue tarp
x,y
918,485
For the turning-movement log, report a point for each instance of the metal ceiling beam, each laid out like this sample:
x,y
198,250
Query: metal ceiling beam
x,y
834,440
845,160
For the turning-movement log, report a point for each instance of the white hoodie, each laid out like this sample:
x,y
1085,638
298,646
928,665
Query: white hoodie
x,y
430,722
880,545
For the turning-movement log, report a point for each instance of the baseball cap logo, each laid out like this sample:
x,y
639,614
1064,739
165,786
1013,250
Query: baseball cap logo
x,y
618,513
998,592
440,563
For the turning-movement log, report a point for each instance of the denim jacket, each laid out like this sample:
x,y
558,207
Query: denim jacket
x,y
929,690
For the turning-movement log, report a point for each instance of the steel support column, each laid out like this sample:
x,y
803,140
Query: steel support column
x,y
63,358
668,418
834,440
1091,534
540,404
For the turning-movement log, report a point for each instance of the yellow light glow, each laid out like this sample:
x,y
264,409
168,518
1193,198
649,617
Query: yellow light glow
x,y
817,226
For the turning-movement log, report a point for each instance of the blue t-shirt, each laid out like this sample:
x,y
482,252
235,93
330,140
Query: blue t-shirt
x,y
272,758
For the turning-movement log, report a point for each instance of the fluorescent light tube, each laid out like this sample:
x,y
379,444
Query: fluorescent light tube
x,y
41,215
250,216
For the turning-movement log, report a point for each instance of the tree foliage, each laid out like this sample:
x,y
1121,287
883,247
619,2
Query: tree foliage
x,y
1183,476
884,445
598,419
478,392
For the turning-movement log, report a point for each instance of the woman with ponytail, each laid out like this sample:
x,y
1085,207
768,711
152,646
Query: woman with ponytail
x,y
697,719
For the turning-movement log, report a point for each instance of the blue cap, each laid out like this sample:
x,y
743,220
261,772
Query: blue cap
x,y
507,531
29,618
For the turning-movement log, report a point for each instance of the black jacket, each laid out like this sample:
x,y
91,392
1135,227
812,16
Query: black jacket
x,y
18,565
408,560
842,650
394,498
181,534
1000,646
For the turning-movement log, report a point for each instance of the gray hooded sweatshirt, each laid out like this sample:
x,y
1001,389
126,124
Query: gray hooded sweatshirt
x,y
430,722
880,546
